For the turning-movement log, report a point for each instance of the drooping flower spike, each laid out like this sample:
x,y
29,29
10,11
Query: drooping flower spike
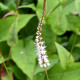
x,y
40,45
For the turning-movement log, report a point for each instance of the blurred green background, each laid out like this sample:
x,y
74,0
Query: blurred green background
x,y
60,31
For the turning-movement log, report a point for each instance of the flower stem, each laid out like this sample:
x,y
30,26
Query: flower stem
x,y
17,6
46,73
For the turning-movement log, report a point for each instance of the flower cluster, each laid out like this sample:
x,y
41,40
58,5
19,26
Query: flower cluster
x,y
40,45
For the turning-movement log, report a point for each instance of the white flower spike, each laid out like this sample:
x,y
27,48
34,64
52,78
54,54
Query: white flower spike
x,y
40,45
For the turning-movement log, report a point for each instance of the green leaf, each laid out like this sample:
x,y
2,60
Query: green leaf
x,y
53,60
39,8
51,4
76,53
71,73
63,1
23,54
48,36
77,3
74,23
40,76
32,6
29,29
23,20
60,26
3,7
65,57
13,35
17,72
70,44
59,22
11,4
5,25
69,7
76,49
4,50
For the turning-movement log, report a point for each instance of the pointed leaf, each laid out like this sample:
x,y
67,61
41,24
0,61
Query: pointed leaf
x,y
71,73
32,6
4,48
77,3
59,22
6,23
3,7
23,54
65,57
17,72
13,35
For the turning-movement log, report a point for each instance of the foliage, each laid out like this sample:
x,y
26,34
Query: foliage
x,y
60,31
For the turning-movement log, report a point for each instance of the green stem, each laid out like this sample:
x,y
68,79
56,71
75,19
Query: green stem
x,y
72,47
5,65
9,56
73,44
